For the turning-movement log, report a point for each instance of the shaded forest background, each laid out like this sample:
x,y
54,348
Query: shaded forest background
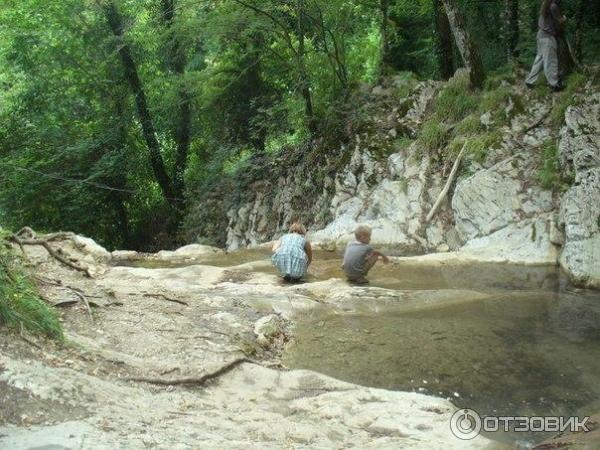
x,y
116,116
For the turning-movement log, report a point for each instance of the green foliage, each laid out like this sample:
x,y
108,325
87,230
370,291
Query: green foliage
x,y
433,135
469,125
565,98
456,117
456,100
73,154
477,144
20,304
549,174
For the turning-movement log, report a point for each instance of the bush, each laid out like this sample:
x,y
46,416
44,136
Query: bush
x,y
20,304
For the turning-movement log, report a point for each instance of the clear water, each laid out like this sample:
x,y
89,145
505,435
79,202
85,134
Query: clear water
x,y
531,348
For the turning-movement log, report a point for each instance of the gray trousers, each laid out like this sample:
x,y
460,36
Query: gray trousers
x,y
546,60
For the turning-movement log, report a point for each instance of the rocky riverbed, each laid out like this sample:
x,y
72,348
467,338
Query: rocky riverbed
x,y
131,372
184,350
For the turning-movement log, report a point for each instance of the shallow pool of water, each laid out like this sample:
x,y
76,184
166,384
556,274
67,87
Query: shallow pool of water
x,y
520,352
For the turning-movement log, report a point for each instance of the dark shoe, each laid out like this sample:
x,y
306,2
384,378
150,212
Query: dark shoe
x,y
530,86
359,281
559,87
291,279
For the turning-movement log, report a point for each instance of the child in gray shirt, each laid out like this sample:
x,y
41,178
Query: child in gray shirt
x,y
360,257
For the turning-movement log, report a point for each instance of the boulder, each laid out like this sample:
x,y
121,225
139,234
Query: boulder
x,y
193,251
93,251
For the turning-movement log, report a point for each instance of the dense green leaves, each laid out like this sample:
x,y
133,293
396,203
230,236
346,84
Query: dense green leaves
x,y
226,84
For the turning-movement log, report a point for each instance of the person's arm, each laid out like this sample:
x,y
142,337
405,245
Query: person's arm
x,y
557,14
384,258
276,245
309,252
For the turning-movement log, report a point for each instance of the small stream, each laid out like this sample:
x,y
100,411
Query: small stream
x,y
531,347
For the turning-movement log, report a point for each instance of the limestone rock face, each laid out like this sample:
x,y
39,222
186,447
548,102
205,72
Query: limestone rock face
x,y
499,212
579,151
392,206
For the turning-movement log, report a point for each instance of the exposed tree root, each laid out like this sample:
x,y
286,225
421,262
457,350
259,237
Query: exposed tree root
x,y
33,240
164,297
196,381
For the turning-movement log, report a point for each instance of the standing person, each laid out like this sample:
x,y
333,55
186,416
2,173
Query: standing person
x,y
360,257
292,253
550,26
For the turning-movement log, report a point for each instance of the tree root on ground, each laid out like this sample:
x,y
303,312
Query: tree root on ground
x,y
195,381
26,236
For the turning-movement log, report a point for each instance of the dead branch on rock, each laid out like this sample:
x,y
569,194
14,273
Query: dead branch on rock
x,y
85,301
21,242
537,123
31,342
164,297
199,381
449,182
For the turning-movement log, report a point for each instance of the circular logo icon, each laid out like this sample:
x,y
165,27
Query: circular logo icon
x,y
465,424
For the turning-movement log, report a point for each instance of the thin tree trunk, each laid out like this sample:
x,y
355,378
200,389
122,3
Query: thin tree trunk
x,y
443,41
579,14
512,29
183,126
131,74
384,51
303,75
466,46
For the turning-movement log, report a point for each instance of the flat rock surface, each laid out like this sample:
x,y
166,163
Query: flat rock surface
x,y
167,325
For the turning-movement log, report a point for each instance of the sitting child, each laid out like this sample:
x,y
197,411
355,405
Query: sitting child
x,y
292,253
360,257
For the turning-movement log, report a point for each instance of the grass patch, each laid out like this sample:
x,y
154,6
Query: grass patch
x,y
549,175
433,135
20,304
477,144
497,100
469,125
565,98
456,100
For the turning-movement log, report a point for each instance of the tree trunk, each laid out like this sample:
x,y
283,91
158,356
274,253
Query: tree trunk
x,y
131,74
579,14
384,45
176,63
512,29
443,41
466,46
302,73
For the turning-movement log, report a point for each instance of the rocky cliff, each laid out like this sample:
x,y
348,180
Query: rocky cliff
x,y
390,172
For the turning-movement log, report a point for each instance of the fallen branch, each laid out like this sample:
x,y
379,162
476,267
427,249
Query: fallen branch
x,y
85,301
28,340
449,182
44,243
199,381
164,297
537,123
